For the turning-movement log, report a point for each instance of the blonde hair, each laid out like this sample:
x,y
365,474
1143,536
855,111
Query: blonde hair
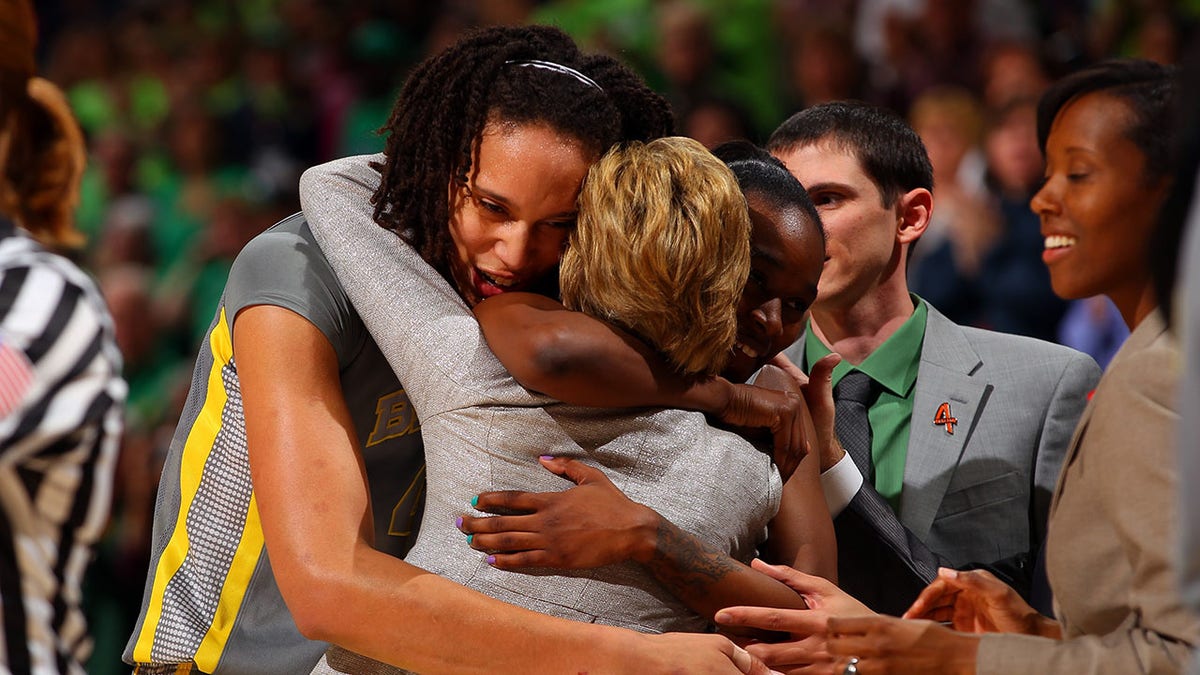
x,y
662,249
42,152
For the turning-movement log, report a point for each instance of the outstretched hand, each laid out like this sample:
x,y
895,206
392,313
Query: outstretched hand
x,y
885,644
589,525
805,649
976,601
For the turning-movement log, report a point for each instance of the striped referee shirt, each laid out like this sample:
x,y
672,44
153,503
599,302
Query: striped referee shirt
x,y
61,396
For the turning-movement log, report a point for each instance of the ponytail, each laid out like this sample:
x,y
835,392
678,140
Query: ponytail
x,y
41,148
43,157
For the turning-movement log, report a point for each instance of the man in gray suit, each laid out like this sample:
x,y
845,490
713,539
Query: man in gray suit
x,y
964,429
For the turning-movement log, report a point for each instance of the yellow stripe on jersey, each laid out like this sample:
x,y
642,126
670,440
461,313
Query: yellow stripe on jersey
x,y
196,451
236,582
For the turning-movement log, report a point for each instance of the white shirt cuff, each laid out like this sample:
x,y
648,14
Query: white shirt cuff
x,y
841,482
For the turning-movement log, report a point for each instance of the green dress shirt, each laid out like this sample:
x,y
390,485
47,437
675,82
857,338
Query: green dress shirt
x,y
893,366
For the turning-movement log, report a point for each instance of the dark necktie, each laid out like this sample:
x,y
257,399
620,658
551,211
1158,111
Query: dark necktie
x,y
852,397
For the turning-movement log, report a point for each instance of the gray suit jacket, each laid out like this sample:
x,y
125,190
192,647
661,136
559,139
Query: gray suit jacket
x,y
979,495
1110,553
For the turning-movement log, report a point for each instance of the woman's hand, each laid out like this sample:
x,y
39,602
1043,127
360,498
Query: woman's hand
x,y
697,653
977,602
804,648
782,412
884,644
589,525
817,388
796,408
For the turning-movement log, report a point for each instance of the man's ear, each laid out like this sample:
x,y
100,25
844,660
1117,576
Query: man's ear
x,y
913,209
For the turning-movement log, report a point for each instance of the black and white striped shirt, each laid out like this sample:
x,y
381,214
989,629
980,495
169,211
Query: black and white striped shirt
x,y
61,396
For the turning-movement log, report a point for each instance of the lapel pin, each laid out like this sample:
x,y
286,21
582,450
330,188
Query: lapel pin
x,y
943,417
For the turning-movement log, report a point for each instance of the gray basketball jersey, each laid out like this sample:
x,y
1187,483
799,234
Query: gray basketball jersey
x,y
211,598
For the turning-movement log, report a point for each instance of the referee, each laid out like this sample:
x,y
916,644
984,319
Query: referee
x,y
61,392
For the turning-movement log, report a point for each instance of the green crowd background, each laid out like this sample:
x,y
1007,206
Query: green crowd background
x,y
201,114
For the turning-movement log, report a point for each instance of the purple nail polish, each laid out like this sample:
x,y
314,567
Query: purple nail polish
x,y
491,560
458,522
547,456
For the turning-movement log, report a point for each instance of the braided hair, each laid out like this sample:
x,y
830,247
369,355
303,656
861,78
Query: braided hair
x,y
436,125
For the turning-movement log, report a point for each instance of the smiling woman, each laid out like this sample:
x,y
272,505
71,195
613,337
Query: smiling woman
x,y
1102,170
787,252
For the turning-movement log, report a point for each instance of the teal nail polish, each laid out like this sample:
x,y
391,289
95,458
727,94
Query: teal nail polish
x,y
475,500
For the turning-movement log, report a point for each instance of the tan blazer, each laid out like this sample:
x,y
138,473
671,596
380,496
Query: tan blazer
x,y
1110,549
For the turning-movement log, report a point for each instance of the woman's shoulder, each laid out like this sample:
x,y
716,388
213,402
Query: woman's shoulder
x,y
284,255
284,267
1147,366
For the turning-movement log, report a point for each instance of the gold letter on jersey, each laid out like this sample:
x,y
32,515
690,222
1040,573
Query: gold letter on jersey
x,y
394,417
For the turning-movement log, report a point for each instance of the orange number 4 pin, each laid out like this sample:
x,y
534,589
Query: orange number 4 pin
x,y
944,418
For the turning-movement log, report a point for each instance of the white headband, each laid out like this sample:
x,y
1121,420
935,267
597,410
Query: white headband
x,y
558,68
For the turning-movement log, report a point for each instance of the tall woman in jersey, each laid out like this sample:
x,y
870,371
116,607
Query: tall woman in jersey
x,y
290,443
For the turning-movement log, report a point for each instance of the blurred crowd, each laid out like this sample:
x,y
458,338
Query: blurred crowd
x,y
201,114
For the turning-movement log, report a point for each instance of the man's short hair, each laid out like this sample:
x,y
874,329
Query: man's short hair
x,y
888,149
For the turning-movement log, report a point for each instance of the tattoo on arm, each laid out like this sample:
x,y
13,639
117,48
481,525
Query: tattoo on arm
x,y
685,565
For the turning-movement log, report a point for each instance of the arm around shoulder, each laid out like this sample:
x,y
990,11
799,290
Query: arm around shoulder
x,y
582,360
575,357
